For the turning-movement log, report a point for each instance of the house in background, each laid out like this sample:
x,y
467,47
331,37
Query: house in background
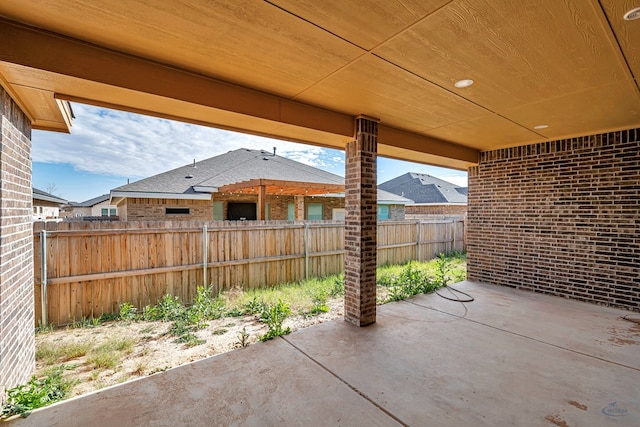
x,y
432,197
98,208
46,206
241,184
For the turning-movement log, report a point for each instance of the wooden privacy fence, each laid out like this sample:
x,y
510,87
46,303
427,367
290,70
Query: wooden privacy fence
x,y
91,268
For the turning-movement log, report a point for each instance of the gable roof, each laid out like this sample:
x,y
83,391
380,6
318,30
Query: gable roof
x,y
47,197
424,188
92,202
232,167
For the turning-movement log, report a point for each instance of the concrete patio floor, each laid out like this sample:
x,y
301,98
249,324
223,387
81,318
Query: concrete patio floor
x,y
510,358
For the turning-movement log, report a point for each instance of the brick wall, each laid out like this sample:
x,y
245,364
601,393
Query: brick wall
x,y
436,210
560,217
396,212
134,209
17,339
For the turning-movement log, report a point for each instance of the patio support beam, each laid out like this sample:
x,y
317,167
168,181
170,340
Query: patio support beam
x,y
361,224
299,208
262,203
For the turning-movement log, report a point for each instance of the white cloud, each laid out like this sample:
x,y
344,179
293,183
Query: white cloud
x,y
125,144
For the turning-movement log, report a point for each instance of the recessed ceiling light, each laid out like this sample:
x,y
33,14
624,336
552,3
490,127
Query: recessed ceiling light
x,y
463,83
632,14
541,126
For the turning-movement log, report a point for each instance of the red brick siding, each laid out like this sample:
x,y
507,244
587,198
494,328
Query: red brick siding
x,y
154,210
436,209
17,340
134,209
361,225
396,212
559,217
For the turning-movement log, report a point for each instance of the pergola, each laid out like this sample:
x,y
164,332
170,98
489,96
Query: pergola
x,y
263,187
436,81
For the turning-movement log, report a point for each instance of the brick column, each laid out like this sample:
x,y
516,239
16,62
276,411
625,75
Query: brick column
x,y
361,224
17,338
299,208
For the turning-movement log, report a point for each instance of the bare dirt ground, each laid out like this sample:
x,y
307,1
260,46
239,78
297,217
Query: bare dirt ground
x,y
155,349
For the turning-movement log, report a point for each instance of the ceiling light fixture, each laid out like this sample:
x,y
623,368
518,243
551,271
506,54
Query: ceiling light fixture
x,y
463,83
541,126
632,14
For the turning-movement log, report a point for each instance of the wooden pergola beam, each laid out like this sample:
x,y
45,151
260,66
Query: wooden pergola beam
x,y
275,187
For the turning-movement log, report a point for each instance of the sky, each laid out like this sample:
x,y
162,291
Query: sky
x,y
107,148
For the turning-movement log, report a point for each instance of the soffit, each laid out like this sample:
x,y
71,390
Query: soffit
x,y
569,64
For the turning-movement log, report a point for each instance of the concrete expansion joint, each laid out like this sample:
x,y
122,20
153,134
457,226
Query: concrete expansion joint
x,y
464,317
355,389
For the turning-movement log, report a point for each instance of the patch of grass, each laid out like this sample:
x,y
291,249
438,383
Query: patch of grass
x,y
109,354
51,353
85,322
36,393
220,331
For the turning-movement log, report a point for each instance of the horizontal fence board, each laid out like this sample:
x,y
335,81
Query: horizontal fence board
x,y
92,268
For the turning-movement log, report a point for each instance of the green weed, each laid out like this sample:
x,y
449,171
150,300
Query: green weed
x,y
274,315
36,393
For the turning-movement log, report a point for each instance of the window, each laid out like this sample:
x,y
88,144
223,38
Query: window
x,y
267,212
218,211
291,212
383,211
338,214
242,211
314,211
104,212
177,211
112,212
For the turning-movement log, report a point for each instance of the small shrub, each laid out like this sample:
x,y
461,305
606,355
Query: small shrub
x,y
205,306
254,306
274,315
36,393
443,270
169,308
128,311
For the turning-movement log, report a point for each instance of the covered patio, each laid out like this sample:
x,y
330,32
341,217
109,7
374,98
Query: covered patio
x,y
509,358
539,101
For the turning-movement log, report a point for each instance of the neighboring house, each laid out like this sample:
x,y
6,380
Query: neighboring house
x,y
433,197
46,206
242,184
98,207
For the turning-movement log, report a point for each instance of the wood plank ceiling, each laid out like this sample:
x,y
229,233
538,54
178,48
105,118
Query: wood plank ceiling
x,y
301,69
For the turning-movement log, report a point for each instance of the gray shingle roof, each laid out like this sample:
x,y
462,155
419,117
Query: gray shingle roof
x,y
92,202
47,197
424,188
235,166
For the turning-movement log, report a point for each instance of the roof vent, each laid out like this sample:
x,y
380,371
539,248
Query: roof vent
x,y
265,158
632,14
189,176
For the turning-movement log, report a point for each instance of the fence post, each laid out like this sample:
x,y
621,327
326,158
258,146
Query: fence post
x,y
418,249
306,250
454,228
43,278
205,255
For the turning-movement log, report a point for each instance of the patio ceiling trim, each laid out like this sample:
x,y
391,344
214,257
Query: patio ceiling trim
x,y
71,57
276,187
